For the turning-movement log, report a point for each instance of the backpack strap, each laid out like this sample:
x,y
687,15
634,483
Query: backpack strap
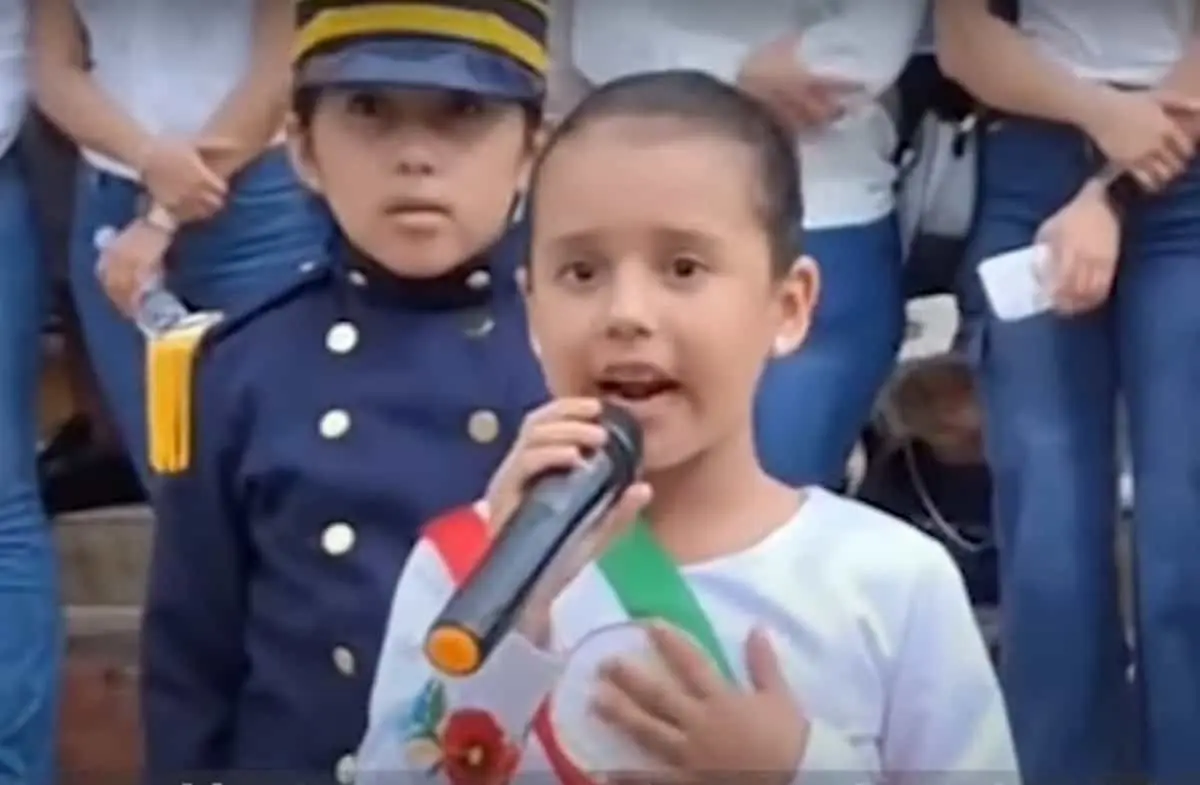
x,y
923,89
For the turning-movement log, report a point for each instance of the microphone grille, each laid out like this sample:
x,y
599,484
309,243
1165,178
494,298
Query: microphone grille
x,y
625,434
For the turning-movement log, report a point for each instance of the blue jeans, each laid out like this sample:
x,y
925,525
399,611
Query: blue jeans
x,y
1050,388
812,405
30,633
269,227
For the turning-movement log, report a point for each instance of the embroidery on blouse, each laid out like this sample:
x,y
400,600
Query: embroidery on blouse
x,y
467,745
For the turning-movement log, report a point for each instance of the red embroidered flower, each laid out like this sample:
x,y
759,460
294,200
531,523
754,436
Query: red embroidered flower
x,y
475,750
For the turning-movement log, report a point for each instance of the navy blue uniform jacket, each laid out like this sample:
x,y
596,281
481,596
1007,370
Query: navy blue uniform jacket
x,y
330,423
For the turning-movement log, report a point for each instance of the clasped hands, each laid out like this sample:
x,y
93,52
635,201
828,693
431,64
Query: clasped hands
x,y
178,177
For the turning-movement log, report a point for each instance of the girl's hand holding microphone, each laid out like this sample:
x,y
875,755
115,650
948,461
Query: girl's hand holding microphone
x,y
558,437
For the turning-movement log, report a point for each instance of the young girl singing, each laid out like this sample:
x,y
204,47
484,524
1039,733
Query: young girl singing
x,y
790,631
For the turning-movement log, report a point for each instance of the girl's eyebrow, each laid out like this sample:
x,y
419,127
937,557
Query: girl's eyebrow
x,y
590,237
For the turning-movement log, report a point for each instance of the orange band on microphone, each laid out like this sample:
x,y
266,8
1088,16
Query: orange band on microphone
x,y
453,650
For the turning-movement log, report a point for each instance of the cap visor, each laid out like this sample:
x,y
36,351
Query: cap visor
x,y
420,64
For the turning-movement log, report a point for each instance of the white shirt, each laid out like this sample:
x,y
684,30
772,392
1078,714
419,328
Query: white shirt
x,y
169,65
846,169
13,84
1132,42
870,623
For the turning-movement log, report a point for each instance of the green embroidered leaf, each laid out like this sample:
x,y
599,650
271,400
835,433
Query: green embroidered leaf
x,y
425,711
437,706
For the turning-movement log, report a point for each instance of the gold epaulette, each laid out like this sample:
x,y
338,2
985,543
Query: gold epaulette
x,y
170,386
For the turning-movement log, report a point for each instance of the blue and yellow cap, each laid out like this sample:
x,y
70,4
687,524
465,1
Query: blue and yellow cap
x,y
495,48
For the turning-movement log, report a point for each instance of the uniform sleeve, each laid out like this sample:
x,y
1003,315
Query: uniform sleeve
x,y
947,717
193,651
426,728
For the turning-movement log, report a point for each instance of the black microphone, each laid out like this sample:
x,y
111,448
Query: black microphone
x,y
557,511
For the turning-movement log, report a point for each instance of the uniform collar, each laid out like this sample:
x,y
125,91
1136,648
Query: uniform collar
x,y
472,284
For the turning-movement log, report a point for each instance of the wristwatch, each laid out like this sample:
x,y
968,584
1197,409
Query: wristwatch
x,y
161,219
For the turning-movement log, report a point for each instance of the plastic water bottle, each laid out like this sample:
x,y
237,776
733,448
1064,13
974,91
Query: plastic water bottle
x,y
158,311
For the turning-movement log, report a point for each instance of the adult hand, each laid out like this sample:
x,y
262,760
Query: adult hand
x,y
1084,238
1185,112
800,99
131,261
1139,132
178,178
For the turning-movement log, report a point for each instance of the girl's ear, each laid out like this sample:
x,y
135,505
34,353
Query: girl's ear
x,y
533,150
300,151
797,299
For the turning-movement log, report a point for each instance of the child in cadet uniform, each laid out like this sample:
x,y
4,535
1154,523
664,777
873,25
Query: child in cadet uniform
x,y
331,421
800,631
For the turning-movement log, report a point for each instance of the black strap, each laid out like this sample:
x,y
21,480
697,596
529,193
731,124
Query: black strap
x,y
923,88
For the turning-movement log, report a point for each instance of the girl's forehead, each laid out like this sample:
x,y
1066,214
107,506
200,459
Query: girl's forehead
x,y
614,176
599,159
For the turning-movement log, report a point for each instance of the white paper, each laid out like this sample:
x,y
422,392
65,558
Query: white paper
x,y
1013,283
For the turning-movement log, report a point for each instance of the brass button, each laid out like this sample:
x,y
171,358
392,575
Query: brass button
x,y
308,267
357,278
341,338
343,660
334,424
479,280
483,426
479,324
338,538
345,770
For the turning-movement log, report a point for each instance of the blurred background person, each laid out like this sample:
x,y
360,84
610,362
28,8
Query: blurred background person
x,y
29,634
178,110
81,462
1086,89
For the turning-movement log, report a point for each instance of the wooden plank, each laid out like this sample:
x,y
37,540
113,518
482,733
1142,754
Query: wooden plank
x,y
99,733
105,555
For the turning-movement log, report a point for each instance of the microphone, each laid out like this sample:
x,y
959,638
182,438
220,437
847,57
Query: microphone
x,y
557,511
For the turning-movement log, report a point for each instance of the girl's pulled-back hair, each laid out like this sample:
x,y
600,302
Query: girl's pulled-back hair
x,y
704,104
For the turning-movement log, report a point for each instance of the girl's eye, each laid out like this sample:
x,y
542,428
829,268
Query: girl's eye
x,y
685,267
467,105
364,104
578,272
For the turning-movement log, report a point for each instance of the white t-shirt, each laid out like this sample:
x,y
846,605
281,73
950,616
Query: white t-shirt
x,y
13,85
868,617
847,170
167,64
1132,42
